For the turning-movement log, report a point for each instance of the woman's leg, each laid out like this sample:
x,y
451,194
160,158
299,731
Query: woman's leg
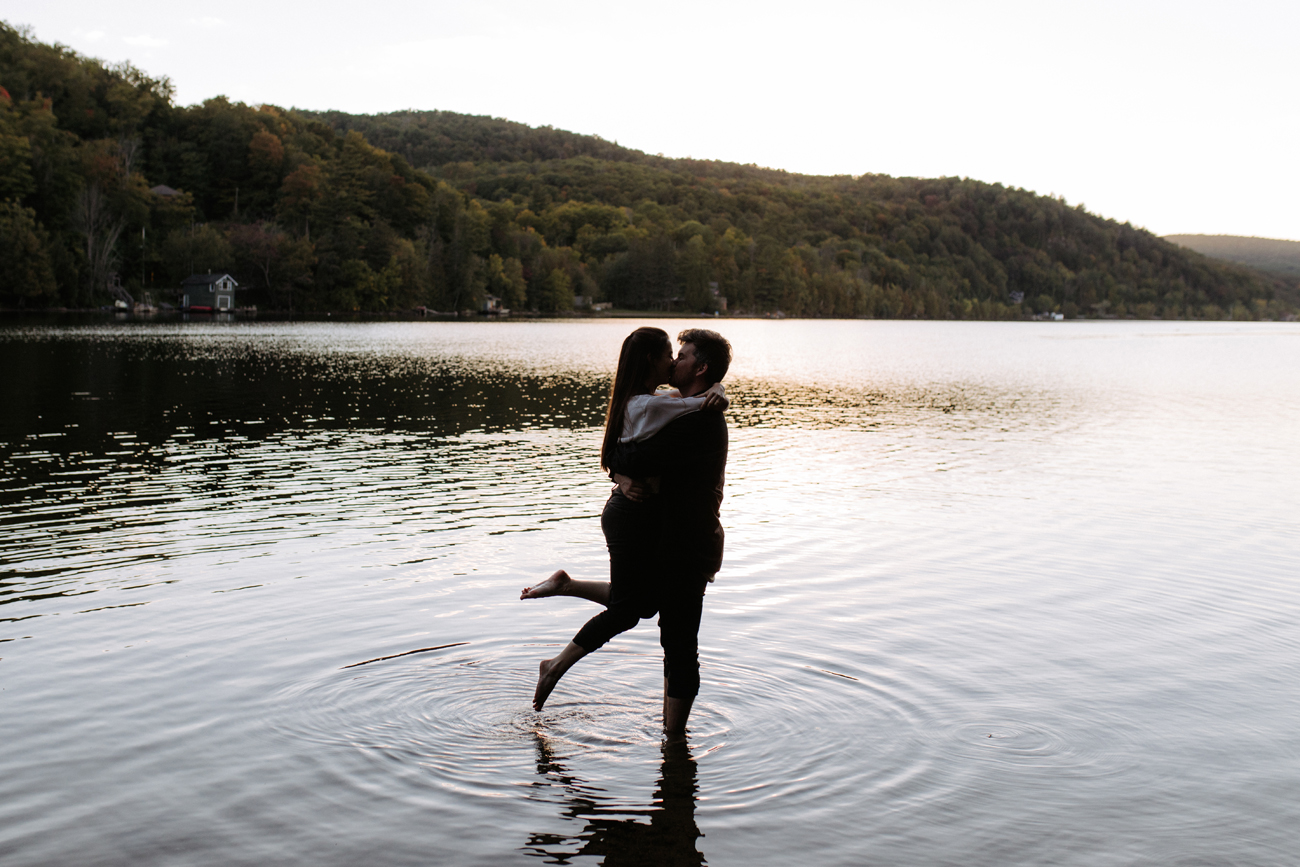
x,y
551,670
560,584
632,565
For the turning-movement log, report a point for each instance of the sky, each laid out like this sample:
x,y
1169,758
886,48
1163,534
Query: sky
x,y
1178,117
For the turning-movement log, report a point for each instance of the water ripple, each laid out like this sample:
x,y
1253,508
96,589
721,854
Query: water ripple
x,y
994,594
1082,746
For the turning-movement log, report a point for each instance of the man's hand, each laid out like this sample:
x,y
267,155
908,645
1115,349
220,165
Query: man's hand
x,y
630,488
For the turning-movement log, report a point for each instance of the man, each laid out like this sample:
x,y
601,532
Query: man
x,y
689,459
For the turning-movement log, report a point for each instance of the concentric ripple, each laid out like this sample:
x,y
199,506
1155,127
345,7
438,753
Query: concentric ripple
x,y
1085,746
443,718
457,721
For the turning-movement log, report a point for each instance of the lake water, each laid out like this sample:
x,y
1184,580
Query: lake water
x,y
994,594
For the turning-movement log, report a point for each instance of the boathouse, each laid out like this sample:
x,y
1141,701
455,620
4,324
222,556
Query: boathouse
x,y
210,291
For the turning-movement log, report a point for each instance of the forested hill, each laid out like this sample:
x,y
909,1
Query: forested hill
x,y
1265,254
102,174
435,138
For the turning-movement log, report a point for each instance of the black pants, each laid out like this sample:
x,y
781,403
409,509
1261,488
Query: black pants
x,y
643,581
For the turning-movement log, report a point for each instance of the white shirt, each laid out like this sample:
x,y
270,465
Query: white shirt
x,y
647,414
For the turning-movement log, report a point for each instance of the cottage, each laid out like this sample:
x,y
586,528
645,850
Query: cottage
x,y
208,291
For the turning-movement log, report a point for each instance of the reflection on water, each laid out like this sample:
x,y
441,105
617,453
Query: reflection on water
x,y
665,833
995,593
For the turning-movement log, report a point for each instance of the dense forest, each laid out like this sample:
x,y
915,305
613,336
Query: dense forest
x,y
103,177
1271,255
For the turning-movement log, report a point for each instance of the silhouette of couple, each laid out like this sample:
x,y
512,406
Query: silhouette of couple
x,y
666,451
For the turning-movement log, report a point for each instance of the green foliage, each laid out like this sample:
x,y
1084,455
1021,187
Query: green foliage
x,y
1278,259
1266,254
15,166
326,211
557,291
25,270
197,249
506,281
432,139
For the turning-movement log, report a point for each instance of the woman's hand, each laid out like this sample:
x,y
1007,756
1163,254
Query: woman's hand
x,y
715,399
630,488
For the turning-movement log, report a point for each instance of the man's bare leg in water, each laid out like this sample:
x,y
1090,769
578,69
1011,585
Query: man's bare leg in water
x,y
676,712
560,584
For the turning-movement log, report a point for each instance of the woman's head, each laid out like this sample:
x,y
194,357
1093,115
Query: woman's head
x,y
643,363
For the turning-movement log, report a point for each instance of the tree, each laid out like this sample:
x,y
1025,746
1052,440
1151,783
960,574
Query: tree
x,y
100,229
196,249
266,154
694,271
265,167
25,271
645,276
506,280
413,285
257,249
558,292
300,193
516,288
16,180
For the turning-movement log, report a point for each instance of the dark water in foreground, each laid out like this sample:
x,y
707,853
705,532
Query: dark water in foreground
x,y
995,594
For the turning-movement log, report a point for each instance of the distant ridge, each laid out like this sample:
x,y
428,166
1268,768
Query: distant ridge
x,y
1266,254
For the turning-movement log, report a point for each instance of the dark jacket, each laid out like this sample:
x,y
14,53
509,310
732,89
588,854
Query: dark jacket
x,y
690,458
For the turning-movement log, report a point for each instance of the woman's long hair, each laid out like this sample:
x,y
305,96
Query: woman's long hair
x,y
639,351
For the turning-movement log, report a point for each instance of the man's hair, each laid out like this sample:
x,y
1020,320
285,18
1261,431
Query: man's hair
x,y
711,348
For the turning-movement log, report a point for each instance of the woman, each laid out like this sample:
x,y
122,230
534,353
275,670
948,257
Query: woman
x,y
636,411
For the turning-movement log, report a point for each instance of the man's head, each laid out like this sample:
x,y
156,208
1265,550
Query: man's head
x,y
703,360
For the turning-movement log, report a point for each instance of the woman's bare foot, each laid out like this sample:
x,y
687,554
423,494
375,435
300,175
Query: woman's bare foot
x,y
549,672
547,677
553,586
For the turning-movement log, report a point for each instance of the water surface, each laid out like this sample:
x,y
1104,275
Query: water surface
x,y
995,593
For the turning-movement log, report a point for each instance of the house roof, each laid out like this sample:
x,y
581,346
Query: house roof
x,y
164,190
206,279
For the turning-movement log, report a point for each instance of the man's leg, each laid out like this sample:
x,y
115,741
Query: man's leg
x,y
560,584
676,712
680,610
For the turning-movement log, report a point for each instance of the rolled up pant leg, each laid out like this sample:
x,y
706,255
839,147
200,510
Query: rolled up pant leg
x,y
634,566
681,605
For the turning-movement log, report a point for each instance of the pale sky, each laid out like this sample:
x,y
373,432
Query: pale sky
x,y
1180,117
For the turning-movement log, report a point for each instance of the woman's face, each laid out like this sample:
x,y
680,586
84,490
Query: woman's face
x,y
661,368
